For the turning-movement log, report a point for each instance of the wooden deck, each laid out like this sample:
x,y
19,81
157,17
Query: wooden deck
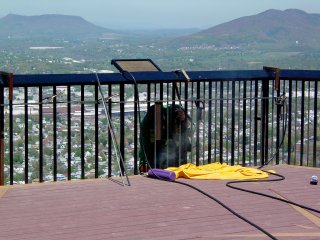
x,y
153,209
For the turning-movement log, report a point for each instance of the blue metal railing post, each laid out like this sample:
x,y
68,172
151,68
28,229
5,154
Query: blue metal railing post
x,y
1,135
55,145
41,160
26,135
264,122
136,121
122,128
69,131
221,123
244,127
209,122
315,125
233,112
109,133
198,127
302,122
256,119
82,134
96,128
278,128
289,130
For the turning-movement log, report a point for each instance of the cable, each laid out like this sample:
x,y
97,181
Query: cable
x,y
46,101
223,205
136,92
157,177
231,184
281,102
281,177
228,208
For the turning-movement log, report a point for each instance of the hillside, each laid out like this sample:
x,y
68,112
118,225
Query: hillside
x,y
286,28
49,26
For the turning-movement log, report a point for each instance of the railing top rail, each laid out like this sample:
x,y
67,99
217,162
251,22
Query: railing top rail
x,y
24,80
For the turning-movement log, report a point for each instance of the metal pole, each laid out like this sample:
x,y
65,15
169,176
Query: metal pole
x,y
114,140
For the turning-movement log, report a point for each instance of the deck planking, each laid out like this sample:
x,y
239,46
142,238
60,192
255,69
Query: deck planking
x,y
153,209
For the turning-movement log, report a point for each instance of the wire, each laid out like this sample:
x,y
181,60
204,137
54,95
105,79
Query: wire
x,y
285,120
228,208
231,184
186,184
281,177
136,92
46,101
221,204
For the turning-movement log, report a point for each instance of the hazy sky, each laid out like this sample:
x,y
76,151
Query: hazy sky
x,y
142,14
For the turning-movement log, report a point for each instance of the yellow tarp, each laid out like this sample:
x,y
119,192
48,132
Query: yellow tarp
x,y
217,171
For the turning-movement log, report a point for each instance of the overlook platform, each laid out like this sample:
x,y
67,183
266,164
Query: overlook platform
x,y
152,209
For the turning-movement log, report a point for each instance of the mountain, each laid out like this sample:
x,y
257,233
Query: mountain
x,y
50,26
286,28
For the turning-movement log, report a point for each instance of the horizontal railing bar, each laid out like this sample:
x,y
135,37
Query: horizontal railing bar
x,y
21,80
140,101
241,75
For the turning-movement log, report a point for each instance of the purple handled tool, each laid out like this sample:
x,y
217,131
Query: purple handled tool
x,y
162,174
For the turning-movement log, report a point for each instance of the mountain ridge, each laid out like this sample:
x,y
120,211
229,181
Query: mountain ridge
x,y
289,27
49,26
272,28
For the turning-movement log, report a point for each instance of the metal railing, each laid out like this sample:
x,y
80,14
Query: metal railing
x,y
53,126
